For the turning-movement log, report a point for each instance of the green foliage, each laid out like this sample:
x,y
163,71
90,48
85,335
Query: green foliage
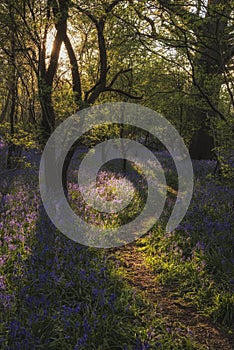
x,y
100,133
21,138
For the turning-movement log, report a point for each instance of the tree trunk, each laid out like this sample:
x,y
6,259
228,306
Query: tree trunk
x,y
202,145
5,108
13,92
48,115
208,66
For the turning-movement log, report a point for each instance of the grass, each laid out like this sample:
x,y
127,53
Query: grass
x,y
198,257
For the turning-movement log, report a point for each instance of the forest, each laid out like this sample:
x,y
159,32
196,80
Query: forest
x,y
170,63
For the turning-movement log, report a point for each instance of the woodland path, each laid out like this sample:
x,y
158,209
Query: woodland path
x,y
176,313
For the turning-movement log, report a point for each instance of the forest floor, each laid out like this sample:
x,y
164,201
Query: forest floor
x,y
175,311
177,314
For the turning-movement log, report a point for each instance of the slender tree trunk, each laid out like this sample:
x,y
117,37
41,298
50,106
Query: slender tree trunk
x,y
5,108
13,92
76,82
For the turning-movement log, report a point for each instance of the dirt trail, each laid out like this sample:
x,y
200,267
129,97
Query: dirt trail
x,y
175,312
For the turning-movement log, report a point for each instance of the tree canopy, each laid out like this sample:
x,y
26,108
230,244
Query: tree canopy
x,y
176,57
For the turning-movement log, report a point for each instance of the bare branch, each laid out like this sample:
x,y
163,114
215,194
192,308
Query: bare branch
x,y
86,12
124,93
123,71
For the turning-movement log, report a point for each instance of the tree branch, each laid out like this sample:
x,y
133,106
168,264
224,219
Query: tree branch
x,y
112,5
87,13
74,69
122,71
124,93
203,94
178,9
